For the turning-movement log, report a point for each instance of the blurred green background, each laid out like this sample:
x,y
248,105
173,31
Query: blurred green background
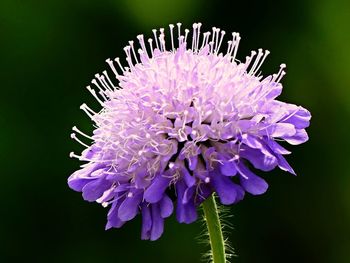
x,y
49,52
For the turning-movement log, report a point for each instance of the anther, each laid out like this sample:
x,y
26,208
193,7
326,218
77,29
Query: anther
x,y
171,165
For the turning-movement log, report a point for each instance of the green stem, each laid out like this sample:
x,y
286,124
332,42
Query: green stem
x,y
212,219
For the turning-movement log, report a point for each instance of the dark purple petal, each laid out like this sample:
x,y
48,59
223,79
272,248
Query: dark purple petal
x,y
276,148
264,161
185,213
141,180
188,194
228,168
77,183
192,162
166,206
156,190
130,206
189,179
95,189
157,223
204,191
146,222
284,165
250,182
112,218
83,176
251,141
227,191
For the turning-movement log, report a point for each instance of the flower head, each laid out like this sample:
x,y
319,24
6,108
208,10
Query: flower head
x,y
180,122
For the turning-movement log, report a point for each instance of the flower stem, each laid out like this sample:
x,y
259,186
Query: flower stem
x,y
212,219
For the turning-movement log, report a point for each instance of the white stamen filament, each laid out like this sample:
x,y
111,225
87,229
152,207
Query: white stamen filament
x,y
82,133
74,136
171,26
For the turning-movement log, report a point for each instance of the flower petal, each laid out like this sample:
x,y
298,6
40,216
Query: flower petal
x,y
228,168
250,182
146,222
227,191
95,189
157,223
155,191
185,213
130,206
112,217
298,138
166,206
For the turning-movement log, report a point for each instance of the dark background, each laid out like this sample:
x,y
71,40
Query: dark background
x,y
49,52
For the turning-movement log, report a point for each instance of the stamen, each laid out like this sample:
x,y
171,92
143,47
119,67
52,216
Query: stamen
x,y
93,81
221,38
128,56
235,45
171,26
151,46
281,76
95,95
249,58
229,46
194,36
109,80
131,43
260,53
171,165
211,47
82,133
155,37
214,33
73,155
110,63
87,110
142,44
262,61
103,81
275,76
198,34
74,136
205,39
119,64
186,34
179,31
162,39
217,39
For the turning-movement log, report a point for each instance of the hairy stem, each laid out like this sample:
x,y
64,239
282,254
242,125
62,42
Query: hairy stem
x,y
212,220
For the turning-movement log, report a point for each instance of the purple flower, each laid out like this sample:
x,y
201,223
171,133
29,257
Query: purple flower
x,y
180,123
